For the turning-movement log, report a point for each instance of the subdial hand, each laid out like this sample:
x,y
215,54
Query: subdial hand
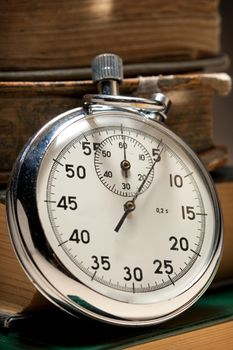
x,y
125,164
130,205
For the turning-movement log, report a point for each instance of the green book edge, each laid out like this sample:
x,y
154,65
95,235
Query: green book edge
x,y
59,331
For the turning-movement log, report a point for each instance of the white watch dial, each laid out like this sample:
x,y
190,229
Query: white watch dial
x,y
126,209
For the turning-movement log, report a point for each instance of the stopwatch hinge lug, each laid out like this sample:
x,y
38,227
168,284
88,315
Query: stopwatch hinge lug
x,y
155,109
162,100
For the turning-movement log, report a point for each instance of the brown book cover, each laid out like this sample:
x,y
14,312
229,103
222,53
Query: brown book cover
x,y
68,34
26,106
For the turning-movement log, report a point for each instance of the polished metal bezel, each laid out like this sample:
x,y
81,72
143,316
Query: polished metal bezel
x,y
39,263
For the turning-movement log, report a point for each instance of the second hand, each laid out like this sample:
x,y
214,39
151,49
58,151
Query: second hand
x,y
125,164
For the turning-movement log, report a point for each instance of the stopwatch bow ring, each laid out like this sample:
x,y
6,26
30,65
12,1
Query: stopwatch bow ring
x,y
107,72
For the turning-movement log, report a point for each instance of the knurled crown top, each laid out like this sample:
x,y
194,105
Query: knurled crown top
x,y
107,66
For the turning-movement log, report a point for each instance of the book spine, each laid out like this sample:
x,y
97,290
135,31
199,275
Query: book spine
x,y
27,106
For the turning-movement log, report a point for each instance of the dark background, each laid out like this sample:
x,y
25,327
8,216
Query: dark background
x,y
223,109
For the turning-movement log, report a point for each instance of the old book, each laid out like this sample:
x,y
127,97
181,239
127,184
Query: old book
x,y
26,106
18,294
224,182
69,33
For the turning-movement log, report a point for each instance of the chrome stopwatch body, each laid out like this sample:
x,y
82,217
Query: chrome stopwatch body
x,y
113,216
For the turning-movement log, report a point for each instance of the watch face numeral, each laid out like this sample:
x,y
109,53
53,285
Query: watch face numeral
x,y
135,274
79,171
188,212
102,262
126,186
123,145
179,244
175,181
80,236
106,154
86,148
108,173
141,177
142,157
156,154
68,202
89,147
163,266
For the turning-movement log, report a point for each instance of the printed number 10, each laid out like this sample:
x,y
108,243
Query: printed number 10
x,y
175,180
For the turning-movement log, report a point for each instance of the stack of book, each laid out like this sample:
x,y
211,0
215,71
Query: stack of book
x,y
45,54
69,34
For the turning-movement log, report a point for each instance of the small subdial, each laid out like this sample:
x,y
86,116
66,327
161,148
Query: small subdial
x,y
122,163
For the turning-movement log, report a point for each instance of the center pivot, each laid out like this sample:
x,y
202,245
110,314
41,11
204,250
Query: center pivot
x,y
125,165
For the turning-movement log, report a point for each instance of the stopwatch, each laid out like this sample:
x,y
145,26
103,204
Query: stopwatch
x,y
112,215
